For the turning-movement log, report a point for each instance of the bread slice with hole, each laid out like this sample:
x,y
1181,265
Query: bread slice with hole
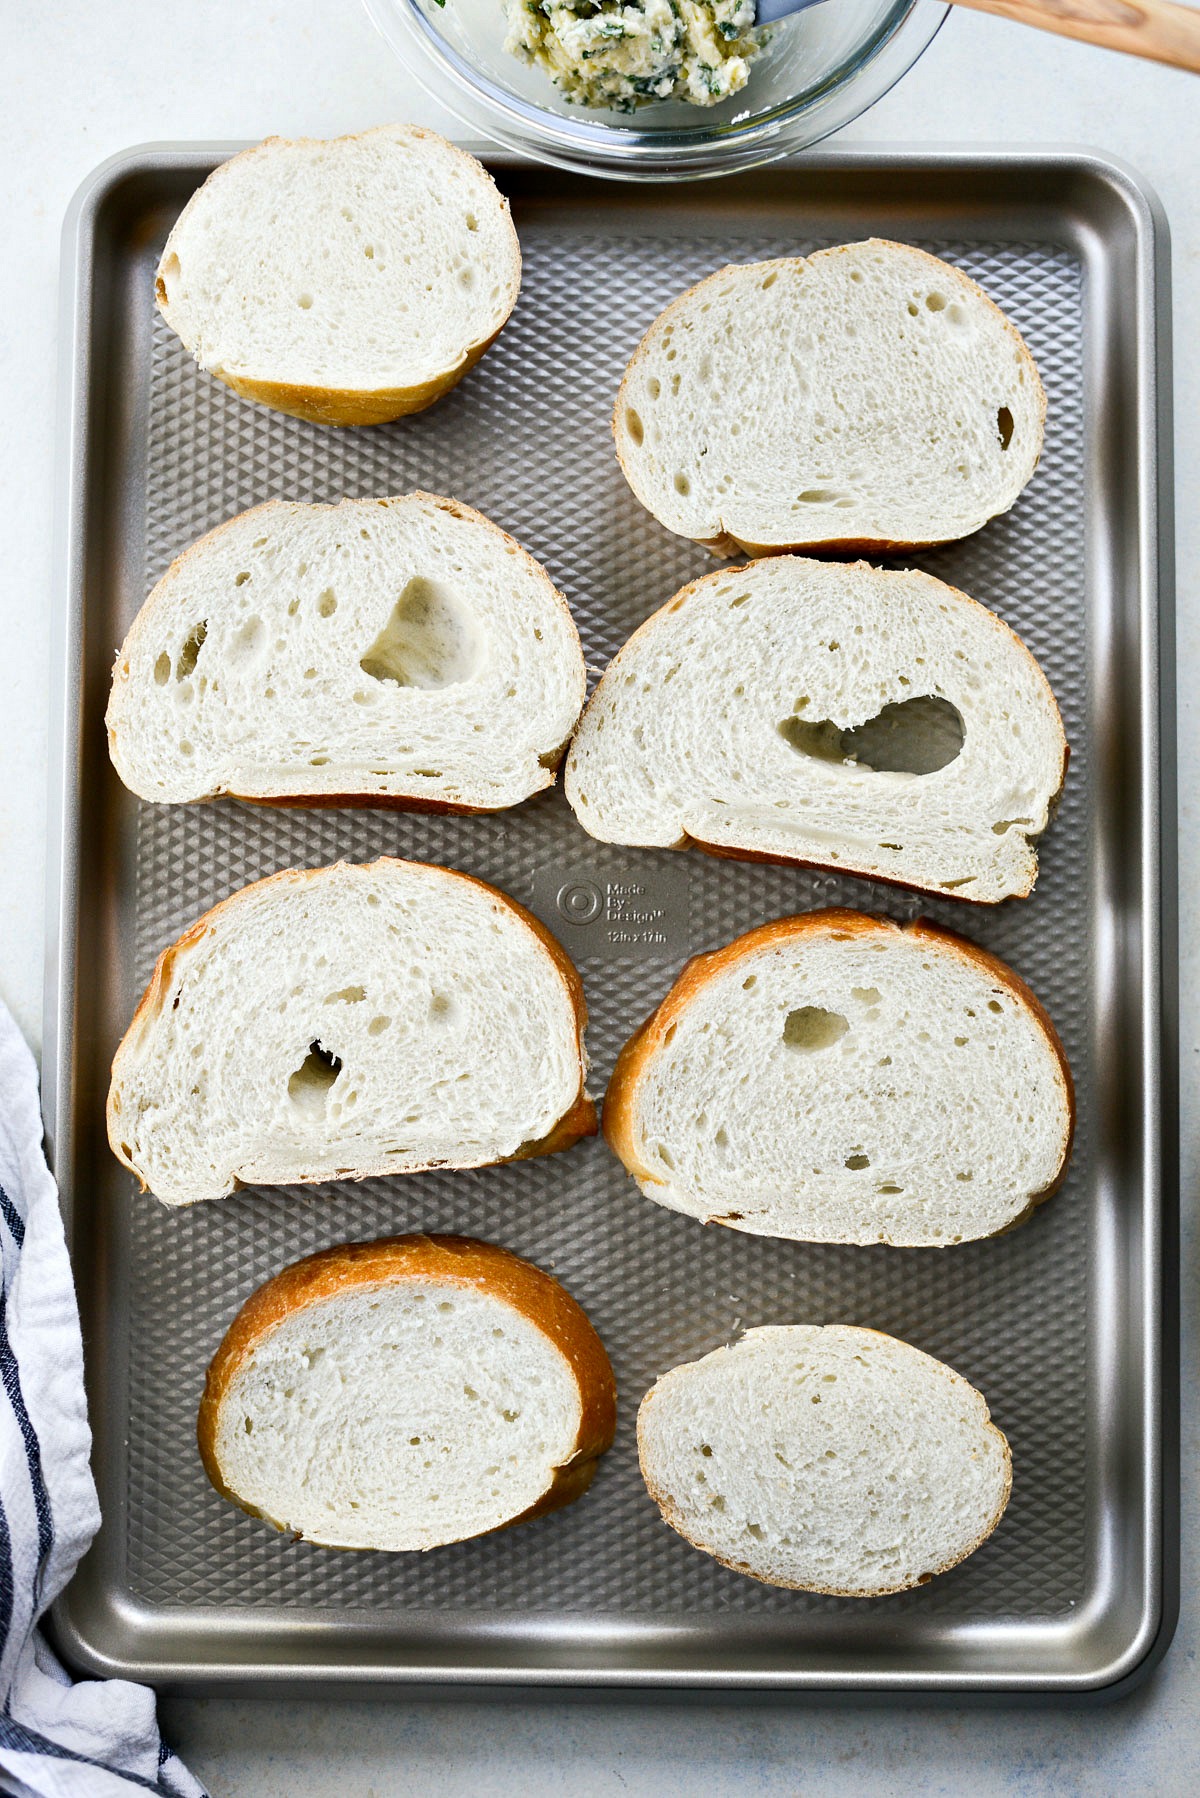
x,y
834,1077
848,717
348,281
405,1394
869,398
825,1458
387,652
345,1023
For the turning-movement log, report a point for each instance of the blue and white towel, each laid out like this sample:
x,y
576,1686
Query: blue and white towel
x,y
97,1738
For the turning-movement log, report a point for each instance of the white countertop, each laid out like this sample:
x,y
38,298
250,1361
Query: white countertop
x,y
84,80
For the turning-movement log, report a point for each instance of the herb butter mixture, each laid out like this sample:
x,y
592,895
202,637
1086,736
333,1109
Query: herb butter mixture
x,y
606,53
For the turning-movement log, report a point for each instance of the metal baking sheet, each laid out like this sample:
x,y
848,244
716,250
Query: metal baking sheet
x,y
1066,1325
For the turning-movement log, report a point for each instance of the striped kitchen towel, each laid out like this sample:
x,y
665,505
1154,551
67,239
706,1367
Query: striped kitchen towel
x,y
96,1738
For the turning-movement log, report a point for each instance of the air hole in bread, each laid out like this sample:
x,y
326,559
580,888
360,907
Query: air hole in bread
x,y
1004,426
682,484
810,1027
309,1086
936,302
327,603
907,736
162,670
855,1162
190,652
304,301
429,640
349,995
246,639
634,426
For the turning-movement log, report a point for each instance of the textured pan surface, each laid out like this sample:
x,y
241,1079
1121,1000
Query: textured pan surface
x,y
183,1584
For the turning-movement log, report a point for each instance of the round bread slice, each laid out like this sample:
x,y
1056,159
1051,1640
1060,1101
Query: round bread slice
x,y
386,652
839,1078
405,1394
349,1022
866,398
827,1459
347,281
848,717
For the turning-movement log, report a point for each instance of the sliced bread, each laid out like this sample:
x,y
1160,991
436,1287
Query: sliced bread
x,y
377,652
347,281
347,1022
405,1394
875,722
866,398
828,1459
840,1078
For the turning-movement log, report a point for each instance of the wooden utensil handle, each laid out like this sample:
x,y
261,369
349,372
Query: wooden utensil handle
x,y
1152,28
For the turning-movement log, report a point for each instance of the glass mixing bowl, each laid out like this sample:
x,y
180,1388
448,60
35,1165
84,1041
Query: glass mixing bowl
x,y
821,69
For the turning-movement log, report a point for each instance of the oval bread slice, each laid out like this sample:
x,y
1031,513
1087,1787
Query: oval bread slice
x,y
391,652
827,1459
348,1022
866,398
348,281
847,717
406,1393
839,1078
